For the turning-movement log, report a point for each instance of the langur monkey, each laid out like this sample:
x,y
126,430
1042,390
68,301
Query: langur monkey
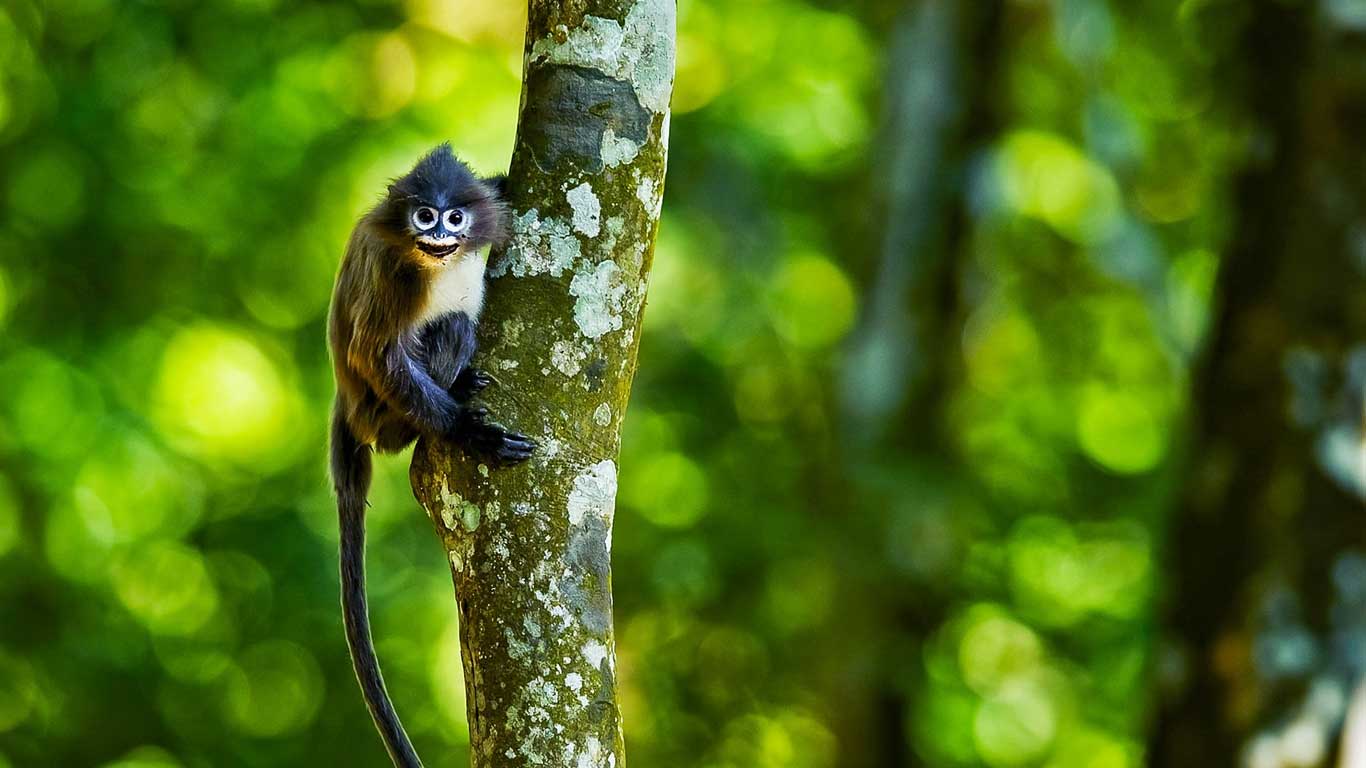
x,y
402,335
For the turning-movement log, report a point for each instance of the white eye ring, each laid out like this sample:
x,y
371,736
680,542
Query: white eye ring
x,y
424,218
456,220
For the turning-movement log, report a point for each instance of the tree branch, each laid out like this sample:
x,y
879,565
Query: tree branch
x,y
529,546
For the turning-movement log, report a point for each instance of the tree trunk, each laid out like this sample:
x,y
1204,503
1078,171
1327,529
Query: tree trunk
x,y
1268,602
529,546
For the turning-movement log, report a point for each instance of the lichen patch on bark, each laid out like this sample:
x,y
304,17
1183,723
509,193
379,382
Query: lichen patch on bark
x,y
599,294
566,358
538,246
587,209
617,150
594,493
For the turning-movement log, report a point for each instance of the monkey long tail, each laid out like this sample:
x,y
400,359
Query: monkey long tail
x,y
351,475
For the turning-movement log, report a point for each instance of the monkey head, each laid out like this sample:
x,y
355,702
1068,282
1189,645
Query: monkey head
x,y
441,209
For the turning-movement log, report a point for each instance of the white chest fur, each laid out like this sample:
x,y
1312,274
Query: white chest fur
x,y
458,287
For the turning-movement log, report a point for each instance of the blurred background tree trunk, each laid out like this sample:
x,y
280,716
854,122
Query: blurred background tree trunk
x,y
530,546
1268,582
905,357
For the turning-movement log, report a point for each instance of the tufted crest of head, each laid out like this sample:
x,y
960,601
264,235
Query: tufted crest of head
x,y
440,179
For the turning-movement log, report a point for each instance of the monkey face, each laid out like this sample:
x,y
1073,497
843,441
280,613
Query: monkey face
x,y
442,209
439,233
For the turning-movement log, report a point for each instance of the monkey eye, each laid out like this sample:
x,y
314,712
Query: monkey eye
x,y
456,219
424,218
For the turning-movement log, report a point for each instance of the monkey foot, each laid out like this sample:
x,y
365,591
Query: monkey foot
x,y
491,440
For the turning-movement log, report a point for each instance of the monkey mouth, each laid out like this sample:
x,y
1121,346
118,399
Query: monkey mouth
x,y
439,247
439,251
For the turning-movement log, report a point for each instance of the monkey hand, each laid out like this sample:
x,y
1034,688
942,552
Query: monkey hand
x,y
470,382
490,440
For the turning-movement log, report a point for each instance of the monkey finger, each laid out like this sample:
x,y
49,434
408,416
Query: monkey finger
x,y
471,382
513,455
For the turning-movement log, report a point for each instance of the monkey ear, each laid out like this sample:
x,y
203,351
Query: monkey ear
x,y
499,184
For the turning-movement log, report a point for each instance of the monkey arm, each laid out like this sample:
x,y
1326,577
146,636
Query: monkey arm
x,y
447,348
402,382
448,345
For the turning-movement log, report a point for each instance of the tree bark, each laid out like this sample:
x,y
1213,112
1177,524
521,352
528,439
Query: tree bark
x,y
529,546
1266,609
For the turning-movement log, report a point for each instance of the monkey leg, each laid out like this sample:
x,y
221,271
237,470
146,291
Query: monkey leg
x,y
394,435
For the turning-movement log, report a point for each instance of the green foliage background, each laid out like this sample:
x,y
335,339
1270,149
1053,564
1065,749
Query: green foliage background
x,y
857,522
